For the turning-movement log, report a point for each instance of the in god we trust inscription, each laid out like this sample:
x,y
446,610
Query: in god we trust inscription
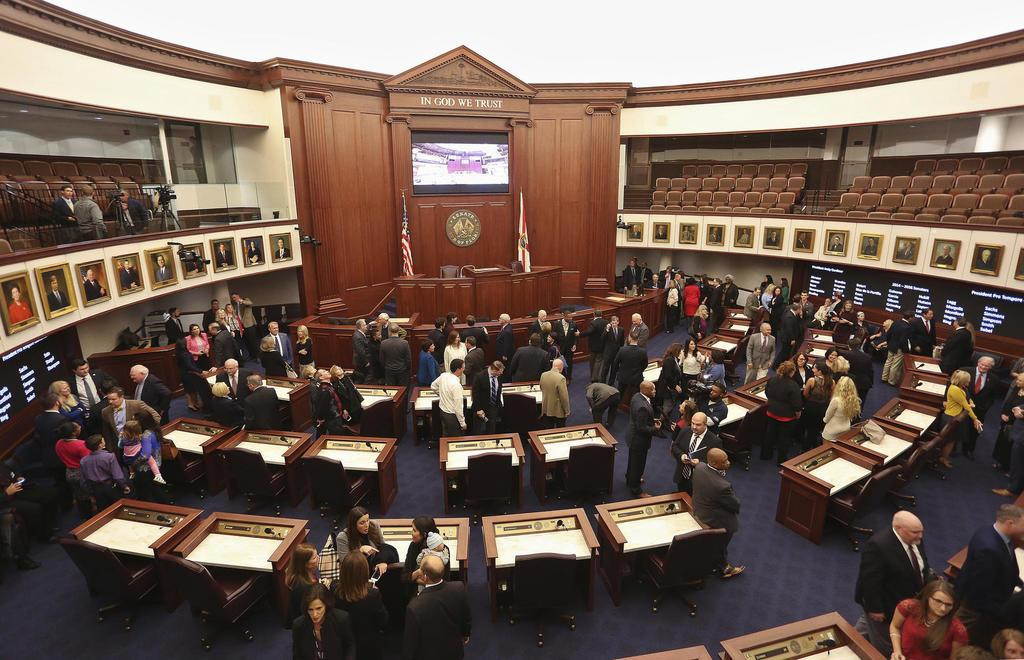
x,y
463,228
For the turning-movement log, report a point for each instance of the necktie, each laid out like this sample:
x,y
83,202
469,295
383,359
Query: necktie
x,y
494,391
927,326
977,384
694,443
90,394
916,563
138,390
277,340
234,383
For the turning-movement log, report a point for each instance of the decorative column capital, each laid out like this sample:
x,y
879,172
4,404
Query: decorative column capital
x,y
610,108
520,121
313,96
402,119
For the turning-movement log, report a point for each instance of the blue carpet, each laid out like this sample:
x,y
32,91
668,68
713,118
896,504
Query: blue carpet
x,y
47,613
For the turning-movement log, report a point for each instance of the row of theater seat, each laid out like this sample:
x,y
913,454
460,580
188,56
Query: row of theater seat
x,y
1009,184
725,202
60,171
966,207
751,170
971,165
727,185
47,192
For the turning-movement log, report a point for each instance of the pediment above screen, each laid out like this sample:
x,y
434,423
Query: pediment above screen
x,y
459,71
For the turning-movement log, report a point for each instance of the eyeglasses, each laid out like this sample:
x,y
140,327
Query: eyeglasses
x,y
939,601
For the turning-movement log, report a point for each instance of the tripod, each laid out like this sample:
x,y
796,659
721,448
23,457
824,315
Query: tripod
x,y
122,216
168,220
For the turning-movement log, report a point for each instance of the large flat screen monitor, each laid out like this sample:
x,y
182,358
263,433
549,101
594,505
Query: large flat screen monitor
x,y
459,163
26,373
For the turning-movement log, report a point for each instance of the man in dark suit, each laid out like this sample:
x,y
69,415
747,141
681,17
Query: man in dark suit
x,y
630,363
438,620
893,566
172,326
642,425
151,390
616,337
957,350
224,257
505,344
632,275
689,448
475,360
64,207
529,362
487,400
985,389
791,333
328,410
396,356
566,332
210,315
596,336
439,340
716,305
56,298
88,386
989,575
281,251
222,346
922,333
360,353
536,326
93,289
282,342
897,342
260,406
236,379
473,330
862,370
128,275
46,435
715,503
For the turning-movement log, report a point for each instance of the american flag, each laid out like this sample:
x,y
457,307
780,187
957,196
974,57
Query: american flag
x,y
407,270
523,244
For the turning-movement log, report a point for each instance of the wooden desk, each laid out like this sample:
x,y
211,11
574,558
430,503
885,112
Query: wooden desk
x,y
456,451
141,529
281,450
629,528
896,442
551,451
689,653
160,361
422,402
376,457
810,638
810,479
253,544
822,336
753,391
202,438
566,531
719,341
293,393
814,350
921,363
391,414
740,324
924,386
908,414
484,292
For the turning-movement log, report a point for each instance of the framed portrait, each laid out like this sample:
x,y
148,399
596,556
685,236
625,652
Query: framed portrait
x,y
715,235
987,259
635,232
56,292
945,254
870,246
906,250
253,252
18,309
773,237
1018,272
160,263
223,254
280,247
687,233
743,236
836,241
92,283
127,274
803,240
661,232
193,269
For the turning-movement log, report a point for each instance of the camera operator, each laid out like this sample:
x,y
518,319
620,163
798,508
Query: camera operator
x,y
133,211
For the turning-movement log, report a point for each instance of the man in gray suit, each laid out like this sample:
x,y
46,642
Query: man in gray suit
x,y
642,425
640,329
396,356
715,503
89,215
760,351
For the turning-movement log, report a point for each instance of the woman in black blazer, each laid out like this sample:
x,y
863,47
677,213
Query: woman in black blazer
x,y
362,600
323,632
802,371
785,401
272,362
226,411
666,395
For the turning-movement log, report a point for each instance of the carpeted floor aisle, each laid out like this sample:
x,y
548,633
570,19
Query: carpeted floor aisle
x,y
47,613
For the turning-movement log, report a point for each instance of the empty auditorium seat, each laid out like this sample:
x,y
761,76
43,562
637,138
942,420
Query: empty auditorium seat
x,y
954,218
785,202
945,166
976,219
718,171
777,184
798,169
760,184
693,183
733,171
703,171
740,209
677,183
11,168
726,184
942,183
993,165
968,166
920,184
965,183
736,199
795,184
926,217
879,215
989,183
38,168
899,184
662,183
709,183
923,166
689,200
689,170
860,184
839,213
766,170
752,199
768,200
848,201
24,177
704,200
111,169
782,169
1015,165
64,168
658,197
889,203
135,171
749,171
744,183
938,204
965,203
879,184
868,202
1013,184
720,200
673,198
673,207
90,170
657,207
1010,221
1014,209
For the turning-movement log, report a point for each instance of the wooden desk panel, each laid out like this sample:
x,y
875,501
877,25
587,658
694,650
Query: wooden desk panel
x,y
279,457
542,464
805,635
384,469
160,361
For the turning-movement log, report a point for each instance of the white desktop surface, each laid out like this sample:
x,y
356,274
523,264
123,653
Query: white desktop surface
x,y
735,414
647,533
128,536
272,454
364,461
187,440
370,399
918,420
818,337
762,395
840,473
652,374
459,460
931,388
840,653
818,352
891,446
452,544
425,403
282,392
927,366
559,451
724,345
230,551
565,542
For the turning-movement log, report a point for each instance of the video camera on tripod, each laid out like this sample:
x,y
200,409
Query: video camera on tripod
x,y
190,259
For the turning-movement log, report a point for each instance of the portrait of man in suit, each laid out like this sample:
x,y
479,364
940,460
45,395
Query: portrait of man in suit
x,y
835,243
1019,273
716,235
986,259
906,250
945,254
127,267
92,278
688,234
773,238
869,245
803,240
635,232
744,237
54,284
161,267
282,247
661,232
223,255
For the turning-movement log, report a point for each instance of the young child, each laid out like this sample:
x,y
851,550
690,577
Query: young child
x,y
139,447
434,546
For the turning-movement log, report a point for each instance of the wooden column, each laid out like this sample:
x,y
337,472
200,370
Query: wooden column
x,y
598,231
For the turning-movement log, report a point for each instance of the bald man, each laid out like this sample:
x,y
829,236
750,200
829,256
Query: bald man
x,y
690,447
715,503
437,621
150,390
642,425
893,566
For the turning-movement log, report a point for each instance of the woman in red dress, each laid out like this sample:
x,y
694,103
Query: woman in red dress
x,y
924,628
18,310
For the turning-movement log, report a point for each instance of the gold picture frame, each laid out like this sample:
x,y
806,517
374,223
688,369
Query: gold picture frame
x,y
906,250
18,308
281,247
662,232
223,259
193,269
93,283
127,274
687,233
161,269
743,236
803,240
715,235
253,252
869,246
945,254
1018,274
837,241
56,292
992,265
772,238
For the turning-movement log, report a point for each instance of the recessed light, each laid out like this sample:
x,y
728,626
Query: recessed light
x,y
98,118
23,110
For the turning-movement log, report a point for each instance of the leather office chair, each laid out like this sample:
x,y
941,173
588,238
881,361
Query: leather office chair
x,y
187,469
489,477
689,559
225,596
449,271
331,486
849,505
921,455
948,434
125,581
589,470
376,421
436,429
520,414
249,473
542,583
748,430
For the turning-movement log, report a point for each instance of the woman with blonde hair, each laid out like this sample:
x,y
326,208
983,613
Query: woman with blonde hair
x,y
455,349
303,348
843,408
70,407
840,368
957,401
699,326
1008,643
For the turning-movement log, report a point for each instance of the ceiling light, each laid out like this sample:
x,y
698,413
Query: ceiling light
x,y
23,110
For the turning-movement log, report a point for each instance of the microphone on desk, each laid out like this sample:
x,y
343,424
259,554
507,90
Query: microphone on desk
x,y
559,524
671,506
828,644
368,444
